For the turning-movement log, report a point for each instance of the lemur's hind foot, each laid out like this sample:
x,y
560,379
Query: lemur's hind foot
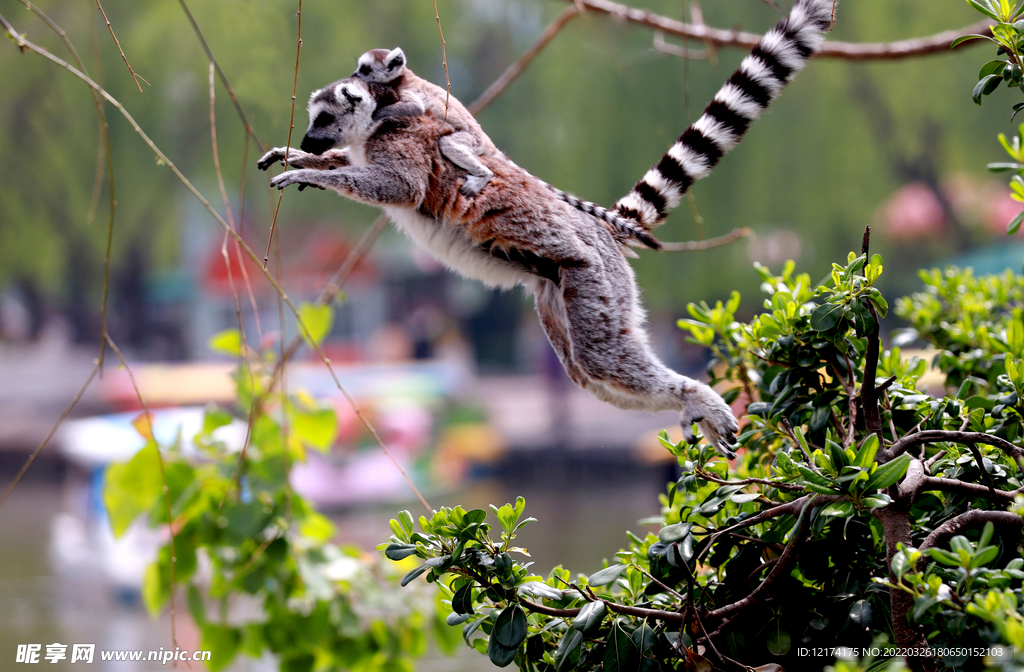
x,y
712,415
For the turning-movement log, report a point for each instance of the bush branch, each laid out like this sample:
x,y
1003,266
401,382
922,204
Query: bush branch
x,y
951,436
972,518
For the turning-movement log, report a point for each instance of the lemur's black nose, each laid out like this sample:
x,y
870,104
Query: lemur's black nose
x,y
316,145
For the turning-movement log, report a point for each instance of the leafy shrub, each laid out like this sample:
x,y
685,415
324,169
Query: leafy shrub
x,y
863,512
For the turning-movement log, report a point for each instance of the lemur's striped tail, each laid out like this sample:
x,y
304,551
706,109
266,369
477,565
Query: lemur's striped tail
x,y
626,231
776,59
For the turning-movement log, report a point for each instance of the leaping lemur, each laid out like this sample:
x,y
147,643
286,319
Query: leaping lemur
x,y
518,231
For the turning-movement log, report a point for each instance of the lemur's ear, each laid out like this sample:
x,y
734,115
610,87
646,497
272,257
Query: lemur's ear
x,y
395,60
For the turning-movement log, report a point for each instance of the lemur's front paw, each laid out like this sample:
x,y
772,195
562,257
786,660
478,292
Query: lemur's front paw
x,y
474,185
714,418
304,178
271,157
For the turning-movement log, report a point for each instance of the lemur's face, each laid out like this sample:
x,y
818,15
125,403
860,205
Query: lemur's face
x,y
380,66
339,114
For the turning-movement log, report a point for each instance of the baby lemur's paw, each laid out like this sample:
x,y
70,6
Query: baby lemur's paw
x,y
271,157
474,184
713,416
303,178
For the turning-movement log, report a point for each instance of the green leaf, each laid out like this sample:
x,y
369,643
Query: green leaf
x,y
154,593
841,509
405,520
861,613
992,68
621,653
318,320
223,642
462,601
888,473
502,656
456,618
400,551
1015,223
318,428
540,589
214,417
644,637
868,450
670,533
944,557
1002,167
986,86
590,617
966,38
816,479
877,501
984,556
228,342
606,575
413,574
839,457
510,627
567,656
131,488
826,316
986,534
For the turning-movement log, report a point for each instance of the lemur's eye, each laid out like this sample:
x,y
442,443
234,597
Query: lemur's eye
x,y
365,69
323,119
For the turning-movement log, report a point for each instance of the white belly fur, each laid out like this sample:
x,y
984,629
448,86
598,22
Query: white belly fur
x,y
452,248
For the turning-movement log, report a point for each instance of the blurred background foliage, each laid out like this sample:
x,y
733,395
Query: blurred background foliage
x,y
595,109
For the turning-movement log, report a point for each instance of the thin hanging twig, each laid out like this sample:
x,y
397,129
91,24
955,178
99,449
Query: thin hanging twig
x,y
135,76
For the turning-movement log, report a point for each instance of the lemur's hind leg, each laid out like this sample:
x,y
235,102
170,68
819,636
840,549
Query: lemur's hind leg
x,y
609,345
459,149
551,310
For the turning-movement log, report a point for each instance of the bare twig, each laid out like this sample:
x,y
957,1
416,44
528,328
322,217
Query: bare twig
x,y
60,420
135,77
674,50
444,61
922,46
700,245
288,144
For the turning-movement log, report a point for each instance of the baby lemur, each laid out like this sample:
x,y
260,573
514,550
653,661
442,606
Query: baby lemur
x,y
518,231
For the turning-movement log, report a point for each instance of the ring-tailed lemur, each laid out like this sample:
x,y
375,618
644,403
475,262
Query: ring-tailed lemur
x,y
389,67
517,231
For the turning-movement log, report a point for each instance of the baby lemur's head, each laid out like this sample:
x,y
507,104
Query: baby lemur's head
x,y
381,66
342,113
